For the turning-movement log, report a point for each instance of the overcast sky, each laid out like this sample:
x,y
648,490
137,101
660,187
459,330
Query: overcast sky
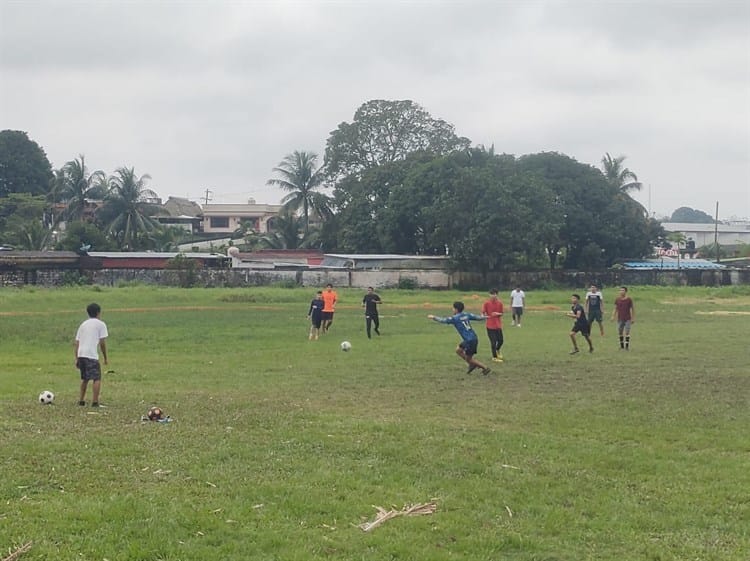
x,y
213,94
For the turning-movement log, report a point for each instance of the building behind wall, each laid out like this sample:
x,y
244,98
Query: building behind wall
x,y
227,218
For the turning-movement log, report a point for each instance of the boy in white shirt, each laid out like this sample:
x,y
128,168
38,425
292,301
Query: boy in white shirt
x,y
594,307
91,335
517,302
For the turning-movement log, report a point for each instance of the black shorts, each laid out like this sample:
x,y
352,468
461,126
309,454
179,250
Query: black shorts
x,y
326,316
517,311
469,347
595,315
90,369
316,321
582,328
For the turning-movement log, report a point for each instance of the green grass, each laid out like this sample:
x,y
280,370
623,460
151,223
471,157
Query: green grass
x,y
280,446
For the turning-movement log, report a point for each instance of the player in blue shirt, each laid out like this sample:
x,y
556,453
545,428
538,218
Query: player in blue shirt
x,y
467,348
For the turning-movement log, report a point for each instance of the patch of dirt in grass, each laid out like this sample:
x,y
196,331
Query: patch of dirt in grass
x,y
736,300
724,313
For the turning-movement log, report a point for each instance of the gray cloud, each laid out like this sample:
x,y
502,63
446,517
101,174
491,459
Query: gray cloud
x,y
213,95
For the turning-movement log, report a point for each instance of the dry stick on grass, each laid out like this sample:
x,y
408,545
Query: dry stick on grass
x,y
18,552
408,510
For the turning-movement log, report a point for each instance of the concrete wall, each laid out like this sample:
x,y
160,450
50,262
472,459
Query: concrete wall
x,y
378,279
610,277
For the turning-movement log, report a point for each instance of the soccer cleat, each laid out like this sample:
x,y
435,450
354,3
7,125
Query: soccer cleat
x,y
574,352
471,369
497,359
81,403
591,350
486,371
94,404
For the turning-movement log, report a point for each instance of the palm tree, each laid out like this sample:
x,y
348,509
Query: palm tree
x,y
127,211
74,185
299,176
33,236
246,231
619,177
287,233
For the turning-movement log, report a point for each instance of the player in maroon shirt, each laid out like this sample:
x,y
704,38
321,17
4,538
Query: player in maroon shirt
x,y
624,314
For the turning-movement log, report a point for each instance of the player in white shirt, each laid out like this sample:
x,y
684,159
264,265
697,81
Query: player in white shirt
x,y
90,338
517,302
594,307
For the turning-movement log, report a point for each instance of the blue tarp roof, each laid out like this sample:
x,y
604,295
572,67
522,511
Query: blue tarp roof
x,y
673,264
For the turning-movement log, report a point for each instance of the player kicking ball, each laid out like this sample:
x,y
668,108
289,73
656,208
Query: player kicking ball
x,y
467,348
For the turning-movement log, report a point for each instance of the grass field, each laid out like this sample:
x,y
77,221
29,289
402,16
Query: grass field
x,y
280,447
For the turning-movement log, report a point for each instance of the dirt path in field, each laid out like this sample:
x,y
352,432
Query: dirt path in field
x,y
724,313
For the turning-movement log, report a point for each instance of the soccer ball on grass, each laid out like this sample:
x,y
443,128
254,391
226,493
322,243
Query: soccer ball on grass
x,y
155,414
346,346
46,397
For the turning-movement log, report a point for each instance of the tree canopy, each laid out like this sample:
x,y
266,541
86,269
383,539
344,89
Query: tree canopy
x,y
691,216
24,167
383,132
491,212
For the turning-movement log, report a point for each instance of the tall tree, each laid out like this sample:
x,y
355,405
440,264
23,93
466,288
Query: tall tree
x,y
74,185
24,167
619,176
385,131
691,215
300,176
128,209
598,223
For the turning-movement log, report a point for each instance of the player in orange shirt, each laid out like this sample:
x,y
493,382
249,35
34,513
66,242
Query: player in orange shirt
x,y
329,306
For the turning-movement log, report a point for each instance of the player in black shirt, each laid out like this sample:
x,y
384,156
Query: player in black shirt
x,y
315,315
370,303
581,324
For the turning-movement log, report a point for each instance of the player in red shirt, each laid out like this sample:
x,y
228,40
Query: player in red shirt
x,y
493,309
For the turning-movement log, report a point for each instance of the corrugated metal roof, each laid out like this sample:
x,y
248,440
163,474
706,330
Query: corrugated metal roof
x,y
383,256
673,264
152,255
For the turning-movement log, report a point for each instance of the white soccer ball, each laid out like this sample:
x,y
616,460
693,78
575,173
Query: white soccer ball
x,y
346,346
46,397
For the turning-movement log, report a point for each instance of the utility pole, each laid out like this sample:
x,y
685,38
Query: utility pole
x,y
207,196
716,232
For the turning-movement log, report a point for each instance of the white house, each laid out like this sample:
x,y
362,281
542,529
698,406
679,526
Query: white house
x,y
226,218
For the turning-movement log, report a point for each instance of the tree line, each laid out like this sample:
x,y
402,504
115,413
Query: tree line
x,y
393,180
401,181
